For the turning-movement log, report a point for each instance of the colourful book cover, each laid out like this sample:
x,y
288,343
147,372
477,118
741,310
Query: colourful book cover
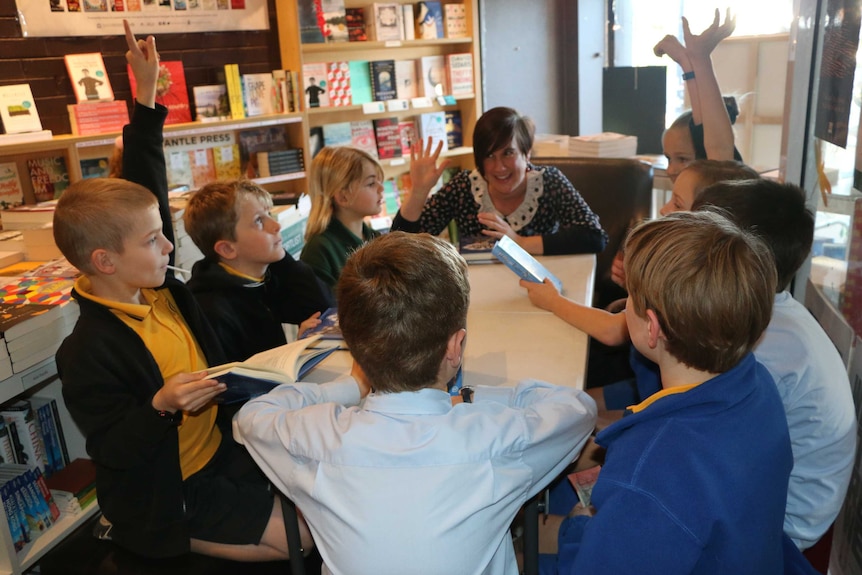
x,y
89,77
407,133
384,22
256,140
455,20
202,166
11,192
429,20
405,79
338,83
233,83
18,110
432,81
40,290
171,91
362,136
356,24
383,81
211,103
311,21
433,125
95,168
49,176
314,85
334,21
227,164
460,69
258,94
360,82
388,138
454,133
337,134
179,168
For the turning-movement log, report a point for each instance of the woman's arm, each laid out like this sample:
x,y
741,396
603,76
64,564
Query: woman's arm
x,y
579,230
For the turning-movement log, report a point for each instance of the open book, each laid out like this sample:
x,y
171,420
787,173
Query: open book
x,y
261,372
522,263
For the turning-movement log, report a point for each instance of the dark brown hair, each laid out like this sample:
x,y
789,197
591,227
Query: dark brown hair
x,y
496,128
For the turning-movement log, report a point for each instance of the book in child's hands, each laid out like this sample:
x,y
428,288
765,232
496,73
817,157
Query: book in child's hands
x,y
263,371
522,263
583,482
328,327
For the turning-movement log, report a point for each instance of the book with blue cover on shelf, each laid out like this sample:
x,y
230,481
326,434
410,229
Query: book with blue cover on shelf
x,y
522,263
265,370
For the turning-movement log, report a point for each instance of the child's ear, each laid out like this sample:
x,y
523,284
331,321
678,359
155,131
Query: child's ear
x,y
655,331
455,347
101,260
225,250
342,198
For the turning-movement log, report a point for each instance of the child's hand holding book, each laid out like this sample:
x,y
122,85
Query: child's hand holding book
x,y
186,392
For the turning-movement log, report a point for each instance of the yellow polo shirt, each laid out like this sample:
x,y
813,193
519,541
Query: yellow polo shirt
x,y
164,331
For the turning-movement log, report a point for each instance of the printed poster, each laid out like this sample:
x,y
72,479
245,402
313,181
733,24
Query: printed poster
x,y
46,18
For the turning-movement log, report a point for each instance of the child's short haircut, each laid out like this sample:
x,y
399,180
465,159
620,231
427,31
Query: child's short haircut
x,y
97,213
774,212
400,297
710,284
213,211
334,168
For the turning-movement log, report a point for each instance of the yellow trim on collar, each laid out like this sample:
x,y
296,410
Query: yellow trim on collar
x,y
658,395
233,272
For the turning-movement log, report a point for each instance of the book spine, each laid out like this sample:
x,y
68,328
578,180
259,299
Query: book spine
x,y
45,413
45,494
7,450
234,91
60,437
31,507
514,265
39,500
10,507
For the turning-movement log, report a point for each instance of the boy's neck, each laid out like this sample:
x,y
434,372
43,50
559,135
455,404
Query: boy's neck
x,y
249,269
675,373
103,287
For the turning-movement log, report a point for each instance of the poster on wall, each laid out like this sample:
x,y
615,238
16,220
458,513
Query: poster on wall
x,y
837,68
43,18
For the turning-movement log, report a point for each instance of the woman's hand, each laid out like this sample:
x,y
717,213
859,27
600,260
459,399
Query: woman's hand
x,y
143,59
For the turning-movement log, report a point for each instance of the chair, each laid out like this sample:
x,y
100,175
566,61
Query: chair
x,y
619,191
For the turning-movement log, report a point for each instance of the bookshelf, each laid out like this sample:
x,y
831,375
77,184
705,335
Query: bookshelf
x,y
294,54
41,379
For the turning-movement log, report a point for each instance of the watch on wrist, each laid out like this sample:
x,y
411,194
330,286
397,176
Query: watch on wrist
x,y
467,394
688,75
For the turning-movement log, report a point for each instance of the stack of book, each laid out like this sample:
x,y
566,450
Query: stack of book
x,y
604,145
78,478
28,216
186,253
277,162
31,434
28,503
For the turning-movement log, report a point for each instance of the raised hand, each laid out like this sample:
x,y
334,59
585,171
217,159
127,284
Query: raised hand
x,y
671,46
704,43
143,60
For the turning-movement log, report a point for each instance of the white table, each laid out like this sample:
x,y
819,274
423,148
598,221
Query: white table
x,y
508,338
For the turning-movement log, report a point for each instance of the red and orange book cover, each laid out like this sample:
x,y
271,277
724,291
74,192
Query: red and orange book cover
x,y
171,91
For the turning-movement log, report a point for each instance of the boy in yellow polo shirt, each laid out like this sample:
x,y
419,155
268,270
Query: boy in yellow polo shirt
x,y
134,378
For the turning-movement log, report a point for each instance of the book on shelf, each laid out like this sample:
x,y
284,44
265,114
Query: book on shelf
x,y
38,345
460,70
211,103
337,134
77,478
11,192
227,164
258,94
49,176
433,125
202,163
28,215
455,20
383,80
315,140
355,18
265,370
279,162
27,440
171,90
360,82
522,263
334,21
98,117
405,79
18,110
362,137
432,81
310,18
454,131
429,20
328,327
233,84
477,248
47,414
7,449
14,517
38,515
314,85
254,140
89,77
383,22
95,167
407,133
287,100
409,21
179,168
338,83
388,138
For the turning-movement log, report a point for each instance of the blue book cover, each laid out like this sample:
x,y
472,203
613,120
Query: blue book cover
x,y
328,327
522,263
360,82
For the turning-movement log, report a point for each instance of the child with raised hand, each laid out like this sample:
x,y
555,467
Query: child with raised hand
x,y
695,477
247,284
407,482
135,380
346,186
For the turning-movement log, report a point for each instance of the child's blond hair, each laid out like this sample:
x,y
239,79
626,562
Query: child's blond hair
x,y
212,212
334,169
98,213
